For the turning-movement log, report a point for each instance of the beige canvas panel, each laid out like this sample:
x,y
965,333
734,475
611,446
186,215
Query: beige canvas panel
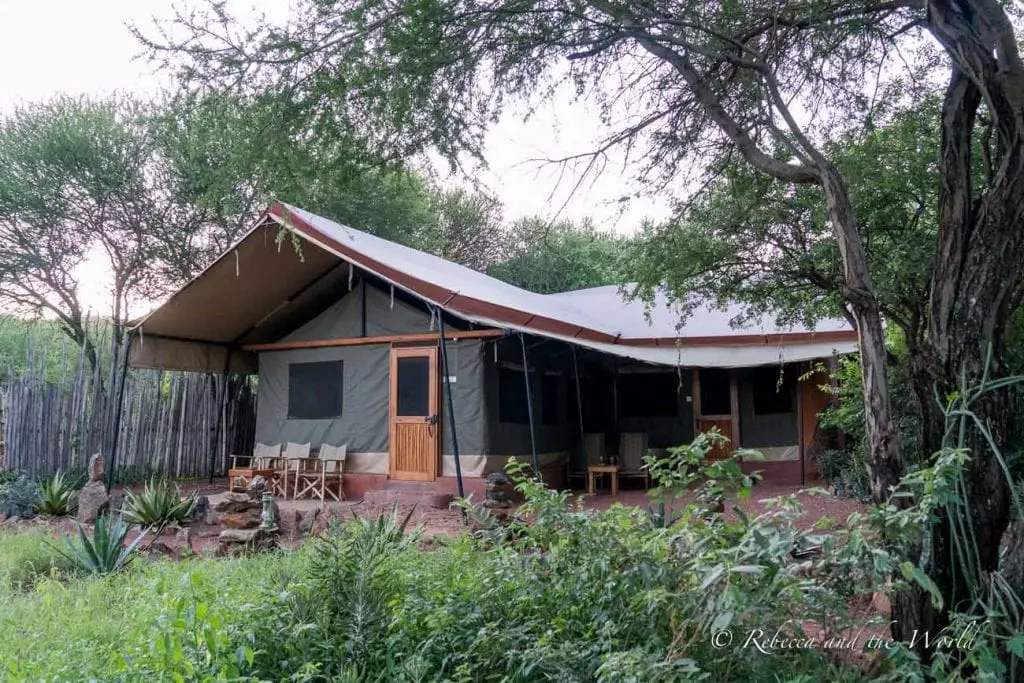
x,y
159,353
247,285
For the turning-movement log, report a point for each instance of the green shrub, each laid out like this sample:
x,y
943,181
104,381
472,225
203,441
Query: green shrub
x,y
26,557
57,496
19,495
159,505
106,551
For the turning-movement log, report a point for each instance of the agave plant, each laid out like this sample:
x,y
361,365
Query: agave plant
x,y
57,496
106,551
159,505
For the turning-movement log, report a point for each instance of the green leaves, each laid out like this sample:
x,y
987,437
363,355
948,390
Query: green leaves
x,y
57,495
159,504
105,552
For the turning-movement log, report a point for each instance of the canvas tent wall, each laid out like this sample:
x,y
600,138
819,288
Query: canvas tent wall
x,y
363,422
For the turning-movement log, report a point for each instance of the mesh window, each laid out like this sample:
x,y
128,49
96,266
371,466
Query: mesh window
x,y
413,386
774,391
714,392
316,390
648,394
512,406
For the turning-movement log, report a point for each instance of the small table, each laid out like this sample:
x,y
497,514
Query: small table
x,y
611,470
247,474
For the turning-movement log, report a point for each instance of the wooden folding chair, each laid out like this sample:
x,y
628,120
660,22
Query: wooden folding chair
x,y
315,474
260,453
294,454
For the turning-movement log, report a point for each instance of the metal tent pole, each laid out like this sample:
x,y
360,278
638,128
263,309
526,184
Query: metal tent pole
x,y
579,407
451,409
529,407
221,402
118,410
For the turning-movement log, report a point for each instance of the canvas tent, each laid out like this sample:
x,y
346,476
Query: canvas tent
x,y
331,316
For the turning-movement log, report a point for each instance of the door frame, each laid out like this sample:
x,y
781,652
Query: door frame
x,y
433,402
734,405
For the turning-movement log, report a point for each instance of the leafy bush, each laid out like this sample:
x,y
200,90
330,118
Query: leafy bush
x,y
106,551
159,505
19,495
57,496
26,557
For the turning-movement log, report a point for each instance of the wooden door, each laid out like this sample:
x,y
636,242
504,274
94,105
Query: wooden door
x,y
415,424
716,404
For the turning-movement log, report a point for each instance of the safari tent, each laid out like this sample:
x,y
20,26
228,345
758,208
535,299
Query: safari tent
x,y
429,371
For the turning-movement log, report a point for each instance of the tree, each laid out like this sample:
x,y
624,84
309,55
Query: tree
x,y
766,83
77,183
549,258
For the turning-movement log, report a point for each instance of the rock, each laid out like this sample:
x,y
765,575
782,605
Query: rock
x,y
236,502
256,487
212,518
97,467
239,535
288,522
92,501
160,548
307,519
116,500
240,541
184,538
491,503
246,519
201,509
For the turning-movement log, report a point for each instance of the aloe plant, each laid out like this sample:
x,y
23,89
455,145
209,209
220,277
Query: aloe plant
x,y
57,496
106,551
159,505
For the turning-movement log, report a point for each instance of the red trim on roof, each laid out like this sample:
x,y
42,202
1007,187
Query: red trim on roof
x,y
460,303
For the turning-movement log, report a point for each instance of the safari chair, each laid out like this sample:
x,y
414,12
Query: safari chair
x,y
632,448
322,477
291,462
261,453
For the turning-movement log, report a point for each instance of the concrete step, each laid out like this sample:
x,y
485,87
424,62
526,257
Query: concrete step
x,y
408,493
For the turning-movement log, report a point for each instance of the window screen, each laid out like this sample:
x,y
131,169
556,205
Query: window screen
x,y
316,390
413,386
654,394
774,390
714,392
512,397
549,399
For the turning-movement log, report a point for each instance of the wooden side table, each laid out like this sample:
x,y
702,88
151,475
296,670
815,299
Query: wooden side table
x,y
610,470
246,475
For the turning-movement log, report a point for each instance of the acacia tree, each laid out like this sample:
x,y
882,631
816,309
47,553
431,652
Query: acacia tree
x,y
548,258
694,81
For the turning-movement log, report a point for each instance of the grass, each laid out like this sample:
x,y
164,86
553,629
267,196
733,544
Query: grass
x,y
109,627
26,558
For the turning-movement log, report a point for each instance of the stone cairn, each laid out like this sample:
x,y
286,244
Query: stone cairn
x,y
498,489
248,520
93,499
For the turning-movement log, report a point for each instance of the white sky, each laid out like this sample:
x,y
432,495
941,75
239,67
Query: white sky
x,y
84,47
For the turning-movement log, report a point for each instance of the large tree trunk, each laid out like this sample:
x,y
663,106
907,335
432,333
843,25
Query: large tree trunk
x,y
981,247
883,441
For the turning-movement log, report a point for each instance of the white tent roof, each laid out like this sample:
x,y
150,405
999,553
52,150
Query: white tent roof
x,y
256,289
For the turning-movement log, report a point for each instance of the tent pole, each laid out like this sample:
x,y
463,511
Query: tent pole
x,y
118,410
451,410
579,408
222,400
529,407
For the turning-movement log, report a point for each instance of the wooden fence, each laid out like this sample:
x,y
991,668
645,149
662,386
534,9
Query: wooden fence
x,y
56,418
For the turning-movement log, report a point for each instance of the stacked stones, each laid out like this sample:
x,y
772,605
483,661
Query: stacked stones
x,y
240,516
498,487
93,499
